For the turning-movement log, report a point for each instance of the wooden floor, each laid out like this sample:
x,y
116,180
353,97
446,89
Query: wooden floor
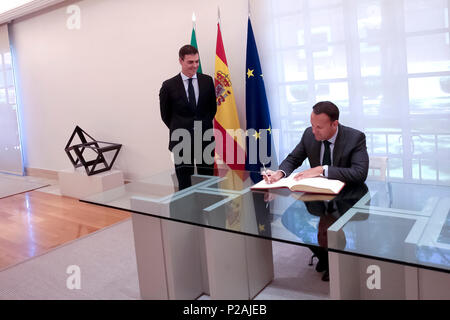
x,y
34,222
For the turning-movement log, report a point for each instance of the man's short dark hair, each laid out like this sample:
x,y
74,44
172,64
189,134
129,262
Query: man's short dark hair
x,y
187,49
327,107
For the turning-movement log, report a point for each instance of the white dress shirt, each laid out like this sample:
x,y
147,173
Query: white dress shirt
x,y
194,84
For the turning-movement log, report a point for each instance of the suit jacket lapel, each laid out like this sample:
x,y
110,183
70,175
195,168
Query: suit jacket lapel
x,y
338,146
200,85
315,159
180,88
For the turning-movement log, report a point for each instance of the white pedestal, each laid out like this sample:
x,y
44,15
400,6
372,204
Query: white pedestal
x,y
77,184
349,278
239,266
168,258
168,254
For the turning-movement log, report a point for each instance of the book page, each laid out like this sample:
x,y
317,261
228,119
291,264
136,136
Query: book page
x,y
264,185
320,183
283,182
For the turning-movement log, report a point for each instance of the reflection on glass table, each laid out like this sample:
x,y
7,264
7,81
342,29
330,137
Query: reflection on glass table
x,y
404,223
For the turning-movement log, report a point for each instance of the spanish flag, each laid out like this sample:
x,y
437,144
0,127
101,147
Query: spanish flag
x,y
230,140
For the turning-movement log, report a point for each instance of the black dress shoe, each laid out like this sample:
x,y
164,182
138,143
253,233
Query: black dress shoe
x,y
321,266
326,276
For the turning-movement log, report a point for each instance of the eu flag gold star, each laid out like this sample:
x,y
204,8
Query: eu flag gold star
x,y
257,135
262,228
270,130
250,73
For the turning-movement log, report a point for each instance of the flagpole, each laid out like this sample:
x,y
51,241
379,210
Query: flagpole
x,y
249,8
193,21
218,14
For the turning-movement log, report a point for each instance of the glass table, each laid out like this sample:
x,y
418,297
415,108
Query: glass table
x,y
216,235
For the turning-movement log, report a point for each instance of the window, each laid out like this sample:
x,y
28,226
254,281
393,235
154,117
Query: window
x,y
10,147
386,64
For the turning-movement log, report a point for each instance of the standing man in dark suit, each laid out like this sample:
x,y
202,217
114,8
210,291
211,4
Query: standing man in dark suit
x,y
188,102
333,151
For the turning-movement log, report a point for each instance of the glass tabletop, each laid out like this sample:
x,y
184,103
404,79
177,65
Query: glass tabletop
x,y
399,222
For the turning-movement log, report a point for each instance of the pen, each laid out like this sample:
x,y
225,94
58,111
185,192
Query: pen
x,y
268,178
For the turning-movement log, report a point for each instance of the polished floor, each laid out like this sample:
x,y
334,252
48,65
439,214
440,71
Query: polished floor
x,y
32,223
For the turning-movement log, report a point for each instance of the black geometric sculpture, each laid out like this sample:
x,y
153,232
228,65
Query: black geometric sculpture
x,y
75,152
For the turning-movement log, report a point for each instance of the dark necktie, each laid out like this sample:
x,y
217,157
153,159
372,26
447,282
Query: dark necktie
x,y
191,94
327,153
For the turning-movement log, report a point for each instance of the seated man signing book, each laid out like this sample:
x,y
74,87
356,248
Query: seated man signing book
x,y
333,150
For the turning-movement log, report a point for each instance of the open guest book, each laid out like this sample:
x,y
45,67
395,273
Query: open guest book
x,y
312,185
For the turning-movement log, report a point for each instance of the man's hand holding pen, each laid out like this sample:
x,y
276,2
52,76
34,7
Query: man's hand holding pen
x,y
272,176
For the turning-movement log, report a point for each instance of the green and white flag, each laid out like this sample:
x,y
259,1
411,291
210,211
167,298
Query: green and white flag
x,y
194,43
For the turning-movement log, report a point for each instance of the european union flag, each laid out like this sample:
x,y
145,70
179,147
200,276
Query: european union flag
x,y
259,128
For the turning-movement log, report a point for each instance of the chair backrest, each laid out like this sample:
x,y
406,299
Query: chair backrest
x,y
377,168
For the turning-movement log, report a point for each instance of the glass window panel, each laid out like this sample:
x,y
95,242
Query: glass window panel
x,y
423,15
444,146
299,127
430,53
428,169
395,166
333,91
369,142
372,95
369,19
294,65
430,95
7,60
444,171
11,154
424,144
2,95
370,60
291,31
379,144
395,144
298,112
323,3
329,24
297,93
2,80
287,6
330,63
415,169
9,77
294,137
11,95
284,111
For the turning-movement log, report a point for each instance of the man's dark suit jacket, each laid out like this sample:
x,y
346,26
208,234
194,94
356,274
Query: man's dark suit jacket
x,y
350,158
176,111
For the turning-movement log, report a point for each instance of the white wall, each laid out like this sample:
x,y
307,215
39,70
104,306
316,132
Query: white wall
x,y
106,76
